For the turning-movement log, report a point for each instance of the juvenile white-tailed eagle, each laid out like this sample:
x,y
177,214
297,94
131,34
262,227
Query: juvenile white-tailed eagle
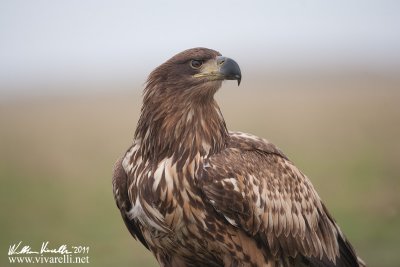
x,y
195,194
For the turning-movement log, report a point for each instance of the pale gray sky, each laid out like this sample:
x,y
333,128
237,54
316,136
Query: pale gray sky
x,y
87,40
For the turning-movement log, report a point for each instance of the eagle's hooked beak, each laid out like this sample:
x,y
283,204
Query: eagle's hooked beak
x,y
229,69
220,68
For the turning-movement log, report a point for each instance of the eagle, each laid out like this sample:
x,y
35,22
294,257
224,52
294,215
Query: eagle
x,y
196,194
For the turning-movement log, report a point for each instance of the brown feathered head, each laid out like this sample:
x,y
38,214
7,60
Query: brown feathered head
x,y
179,97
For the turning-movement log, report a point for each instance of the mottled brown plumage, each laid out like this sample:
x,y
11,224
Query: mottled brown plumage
x,y
196,194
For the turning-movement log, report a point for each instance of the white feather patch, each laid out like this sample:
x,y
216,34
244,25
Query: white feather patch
x,y
231,221
138,213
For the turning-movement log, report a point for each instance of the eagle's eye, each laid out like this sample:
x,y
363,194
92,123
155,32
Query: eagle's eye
x,y
195,64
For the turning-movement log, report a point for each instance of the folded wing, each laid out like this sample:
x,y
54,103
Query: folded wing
x,y
258,190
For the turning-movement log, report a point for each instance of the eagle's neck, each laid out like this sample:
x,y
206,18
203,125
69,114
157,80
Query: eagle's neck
x,y
181,129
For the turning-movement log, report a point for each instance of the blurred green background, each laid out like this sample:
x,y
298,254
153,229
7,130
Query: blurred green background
x,y
57,153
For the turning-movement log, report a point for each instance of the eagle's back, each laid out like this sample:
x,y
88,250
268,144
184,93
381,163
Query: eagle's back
x,y
260,191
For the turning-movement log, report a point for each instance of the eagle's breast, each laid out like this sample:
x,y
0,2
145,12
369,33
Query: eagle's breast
x,y
163,194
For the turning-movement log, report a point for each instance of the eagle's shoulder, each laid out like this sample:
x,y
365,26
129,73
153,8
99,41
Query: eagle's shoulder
x,y
250,142
259,190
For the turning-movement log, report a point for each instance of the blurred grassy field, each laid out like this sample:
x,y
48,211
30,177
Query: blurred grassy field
x,y
57,153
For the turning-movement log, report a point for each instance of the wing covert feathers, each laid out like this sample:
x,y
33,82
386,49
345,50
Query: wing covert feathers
x,y
256,188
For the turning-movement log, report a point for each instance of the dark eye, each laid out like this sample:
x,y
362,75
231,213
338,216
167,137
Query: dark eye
x,y
195,64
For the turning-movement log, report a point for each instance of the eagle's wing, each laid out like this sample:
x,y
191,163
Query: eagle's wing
x,y
120,190
257,189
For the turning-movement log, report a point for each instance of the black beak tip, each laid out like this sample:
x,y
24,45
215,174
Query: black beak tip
x,y
239,79
230,69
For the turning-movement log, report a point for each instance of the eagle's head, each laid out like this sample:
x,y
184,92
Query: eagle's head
x,y
178,98
196,72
